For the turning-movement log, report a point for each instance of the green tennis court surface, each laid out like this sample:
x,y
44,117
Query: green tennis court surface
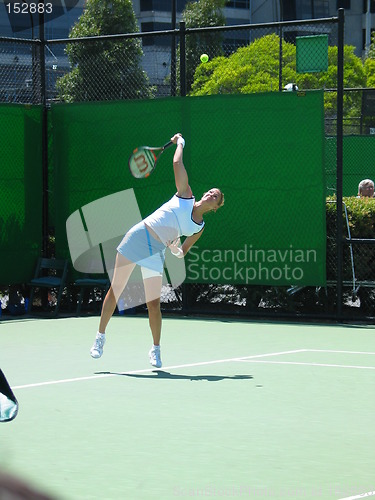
x,y
239,409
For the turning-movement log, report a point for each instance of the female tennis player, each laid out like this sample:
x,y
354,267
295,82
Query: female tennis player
x,y
145,245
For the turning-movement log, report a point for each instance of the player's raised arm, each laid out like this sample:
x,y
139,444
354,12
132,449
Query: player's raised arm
x,y
180,174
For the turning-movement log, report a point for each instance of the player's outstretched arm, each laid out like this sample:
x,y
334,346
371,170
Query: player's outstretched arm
x,y
180,174
190,241
179,250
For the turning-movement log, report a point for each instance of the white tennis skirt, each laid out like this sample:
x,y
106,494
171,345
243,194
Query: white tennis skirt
x,y
140,247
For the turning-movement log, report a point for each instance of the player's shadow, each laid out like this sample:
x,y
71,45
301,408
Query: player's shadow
x,y
160,374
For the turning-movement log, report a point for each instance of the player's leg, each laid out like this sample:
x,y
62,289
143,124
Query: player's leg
x,y
121,275
152,293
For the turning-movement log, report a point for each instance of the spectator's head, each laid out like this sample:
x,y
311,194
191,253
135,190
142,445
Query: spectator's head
x,y
366,188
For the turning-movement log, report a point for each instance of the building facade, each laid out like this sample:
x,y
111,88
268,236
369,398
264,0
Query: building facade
x,y
155,15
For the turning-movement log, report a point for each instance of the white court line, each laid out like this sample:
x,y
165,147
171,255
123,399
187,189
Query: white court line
x,y
340,352
363,495
330,365
306,364
147,370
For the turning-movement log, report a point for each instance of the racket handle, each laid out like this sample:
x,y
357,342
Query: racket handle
x,y
167,145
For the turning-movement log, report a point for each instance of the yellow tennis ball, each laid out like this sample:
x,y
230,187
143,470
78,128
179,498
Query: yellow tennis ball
x,y
204,58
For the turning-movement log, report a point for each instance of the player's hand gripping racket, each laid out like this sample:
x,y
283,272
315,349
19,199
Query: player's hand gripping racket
x,y
144,159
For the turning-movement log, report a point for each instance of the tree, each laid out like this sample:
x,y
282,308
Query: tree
x,y
255,68
370,63
104,70
202,14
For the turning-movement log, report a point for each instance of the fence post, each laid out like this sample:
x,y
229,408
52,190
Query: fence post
x,y
281,58
182,59
42,65
173,50
185,288
339,160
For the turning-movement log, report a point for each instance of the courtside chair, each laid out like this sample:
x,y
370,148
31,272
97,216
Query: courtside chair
x,y
90,284
96,282
51,274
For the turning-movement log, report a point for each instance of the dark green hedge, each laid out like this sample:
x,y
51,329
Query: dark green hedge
x,y
361,220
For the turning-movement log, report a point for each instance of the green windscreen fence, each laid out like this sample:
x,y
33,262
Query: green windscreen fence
x,y
358,162
21,192
264,151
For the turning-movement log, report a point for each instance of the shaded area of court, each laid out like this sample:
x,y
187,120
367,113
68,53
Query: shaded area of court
x,y
239,409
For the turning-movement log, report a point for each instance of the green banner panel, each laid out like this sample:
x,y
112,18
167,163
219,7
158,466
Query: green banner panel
x,y
264,151
21,192
358,162
311,53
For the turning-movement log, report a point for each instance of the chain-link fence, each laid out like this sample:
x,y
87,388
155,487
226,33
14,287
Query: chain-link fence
x,y
20,71
144,66
241,60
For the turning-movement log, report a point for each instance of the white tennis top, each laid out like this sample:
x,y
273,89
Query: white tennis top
x,y
174,219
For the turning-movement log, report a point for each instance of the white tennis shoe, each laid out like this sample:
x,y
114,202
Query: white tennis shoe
x,y
155,358
97,349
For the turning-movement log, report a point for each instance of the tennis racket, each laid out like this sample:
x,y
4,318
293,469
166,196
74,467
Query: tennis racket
x,y
8,401
143,160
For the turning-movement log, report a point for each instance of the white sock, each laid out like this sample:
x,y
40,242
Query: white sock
x,y
156,347
100,334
